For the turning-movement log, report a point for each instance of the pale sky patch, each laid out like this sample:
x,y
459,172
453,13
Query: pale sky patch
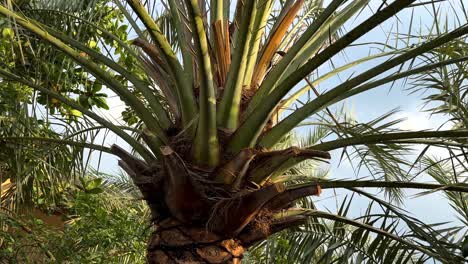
x,y
116,107
416,120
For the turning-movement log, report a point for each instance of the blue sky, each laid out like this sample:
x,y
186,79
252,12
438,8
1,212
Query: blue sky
x,y
429,208
364,107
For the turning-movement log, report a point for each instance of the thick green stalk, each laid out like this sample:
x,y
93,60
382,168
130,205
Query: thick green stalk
x,y
312,107
286,6
139,148
246,135
183,39
93,68
401,138
226,8
206,148
329,184
368,86
184,87
268,166
291,99
217,11
271,46
236,20
258,30
131,20
61,142
139,84
79,132
228,113
323,36
394,77
272,78
383,138
428,142
95,26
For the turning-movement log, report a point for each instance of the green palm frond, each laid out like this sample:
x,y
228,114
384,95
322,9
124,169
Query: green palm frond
x,y
449,172
237,104
323,241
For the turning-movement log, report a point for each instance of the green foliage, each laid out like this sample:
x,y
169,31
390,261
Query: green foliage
x,y
26,55
106,234
257,255
109,227
29,164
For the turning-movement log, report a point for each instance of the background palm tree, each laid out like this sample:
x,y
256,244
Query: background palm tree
x,y
209,94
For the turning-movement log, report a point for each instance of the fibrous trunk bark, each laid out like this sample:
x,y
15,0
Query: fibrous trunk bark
x,y
212,216
174,242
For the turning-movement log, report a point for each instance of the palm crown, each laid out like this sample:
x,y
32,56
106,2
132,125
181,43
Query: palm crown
x,y
209,92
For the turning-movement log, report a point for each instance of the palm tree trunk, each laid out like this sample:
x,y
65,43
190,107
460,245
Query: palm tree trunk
x,y
205,221
174,242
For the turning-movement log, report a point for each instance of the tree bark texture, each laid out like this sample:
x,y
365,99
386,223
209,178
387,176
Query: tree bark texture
x,y
213,216
174,242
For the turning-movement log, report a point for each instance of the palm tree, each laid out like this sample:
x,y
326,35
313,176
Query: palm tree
x,y
209,95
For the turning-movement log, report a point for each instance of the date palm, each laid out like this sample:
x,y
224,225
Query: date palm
x,y
209,91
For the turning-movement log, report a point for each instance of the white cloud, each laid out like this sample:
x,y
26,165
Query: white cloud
x,y
416,120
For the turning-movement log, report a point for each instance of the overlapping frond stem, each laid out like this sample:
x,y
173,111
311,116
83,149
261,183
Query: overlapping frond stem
x,y
273,43
393,137
184,87
59,142
247,134
206,148
276,133
93,68
397,76
139,148
183,31
272,78
417,137
330,184
296,95
140,85
228,113
258,30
